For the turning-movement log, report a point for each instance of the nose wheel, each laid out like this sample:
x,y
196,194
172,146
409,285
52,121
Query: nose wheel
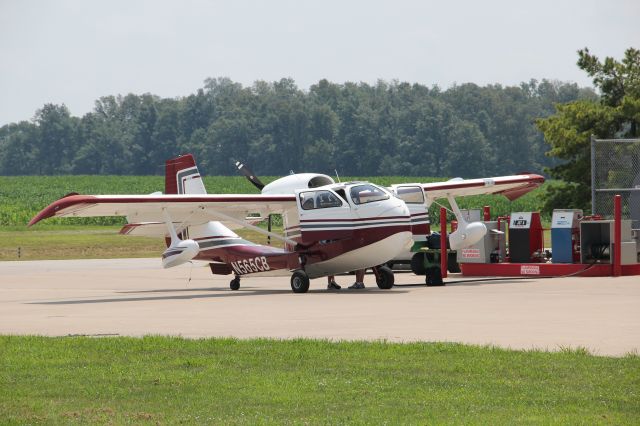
x,y
384,277
235,283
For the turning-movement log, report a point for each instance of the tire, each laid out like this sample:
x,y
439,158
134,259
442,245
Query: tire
x,y
384,277
452,263
299,282
417,263
234,284
434,277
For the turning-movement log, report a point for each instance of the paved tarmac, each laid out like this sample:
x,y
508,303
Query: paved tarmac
x,y
136,297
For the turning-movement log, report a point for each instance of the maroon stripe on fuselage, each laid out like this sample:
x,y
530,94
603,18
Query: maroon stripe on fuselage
x,y
367,235
376,218
421,229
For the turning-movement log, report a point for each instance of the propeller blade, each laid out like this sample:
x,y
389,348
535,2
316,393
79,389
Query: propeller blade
x,y
248,173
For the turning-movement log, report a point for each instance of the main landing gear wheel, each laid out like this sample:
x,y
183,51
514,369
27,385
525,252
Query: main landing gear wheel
x,y
434,277
384,277
417,263
235,283
300,282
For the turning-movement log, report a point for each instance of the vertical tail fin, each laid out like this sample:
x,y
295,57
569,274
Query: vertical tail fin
x,y
182,176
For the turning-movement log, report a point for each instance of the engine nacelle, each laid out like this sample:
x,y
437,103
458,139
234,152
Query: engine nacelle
x,y
289,184
180,253
467,234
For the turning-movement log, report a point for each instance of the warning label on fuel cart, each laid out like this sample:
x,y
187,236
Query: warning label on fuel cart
x,y
529,270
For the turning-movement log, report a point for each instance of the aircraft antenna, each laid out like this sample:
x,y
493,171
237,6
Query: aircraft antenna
x,y
337,176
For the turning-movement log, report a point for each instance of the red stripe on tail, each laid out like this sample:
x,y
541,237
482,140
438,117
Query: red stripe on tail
x,y
172,167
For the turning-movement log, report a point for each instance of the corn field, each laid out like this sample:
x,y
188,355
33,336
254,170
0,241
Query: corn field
x,y
22,197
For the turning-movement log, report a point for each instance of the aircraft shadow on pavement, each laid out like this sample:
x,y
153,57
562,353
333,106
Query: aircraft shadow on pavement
x,y
475,282
239,293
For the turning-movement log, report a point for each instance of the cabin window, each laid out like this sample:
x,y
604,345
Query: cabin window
x,y
319,200
363,194
410,194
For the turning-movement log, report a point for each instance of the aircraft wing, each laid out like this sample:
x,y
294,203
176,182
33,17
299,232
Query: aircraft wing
x,y
511,187
159,229
183,209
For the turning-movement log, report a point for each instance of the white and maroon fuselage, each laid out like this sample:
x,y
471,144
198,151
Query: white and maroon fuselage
x,y
329,232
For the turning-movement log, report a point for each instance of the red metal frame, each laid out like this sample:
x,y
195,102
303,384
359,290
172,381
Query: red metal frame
x,y
486,212
544,269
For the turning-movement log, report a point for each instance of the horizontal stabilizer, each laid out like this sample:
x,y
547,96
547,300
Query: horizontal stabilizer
x,y
147,229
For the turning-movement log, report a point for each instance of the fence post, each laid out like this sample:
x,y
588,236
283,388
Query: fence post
x,y
617,235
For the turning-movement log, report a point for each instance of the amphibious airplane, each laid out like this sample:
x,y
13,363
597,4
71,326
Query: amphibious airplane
x,y
419,197
330,228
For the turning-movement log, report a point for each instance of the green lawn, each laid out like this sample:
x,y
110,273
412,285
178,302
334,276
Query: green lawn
x,y
158,380
85,242
74,242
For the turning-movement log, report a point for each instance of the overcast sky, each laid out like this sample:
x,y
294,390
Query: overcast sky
x,y
74,51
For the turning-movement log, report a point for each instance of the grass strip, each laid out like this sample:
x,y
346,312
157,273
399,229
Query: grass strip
x,y
166,380
57,242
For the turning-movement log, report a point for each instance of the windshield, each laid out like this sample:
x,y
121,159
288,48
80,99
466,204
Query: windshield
x,y
368,193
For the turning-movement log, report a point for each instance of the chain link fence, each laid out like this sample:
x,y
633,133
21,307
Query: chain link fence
x,y
615,169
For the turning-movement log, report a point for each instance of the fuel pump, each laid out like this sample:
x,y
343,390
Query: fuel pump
x,y
525,237
565,236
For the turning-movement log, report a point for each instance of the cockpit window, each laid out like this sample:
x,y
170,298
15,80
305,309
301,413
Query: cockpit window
x,y
363,194
410,194
319,200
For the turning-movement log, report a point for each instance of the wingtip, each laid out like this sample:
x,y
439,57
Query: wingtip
x,y
44,214
537,178
64,202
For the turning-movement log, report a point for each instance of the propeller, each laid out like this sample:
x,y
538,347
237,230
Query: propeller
x,y
248,173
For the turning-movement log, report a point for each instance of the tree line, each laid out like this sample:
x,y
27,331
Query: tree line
x,y
358,129
568,132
